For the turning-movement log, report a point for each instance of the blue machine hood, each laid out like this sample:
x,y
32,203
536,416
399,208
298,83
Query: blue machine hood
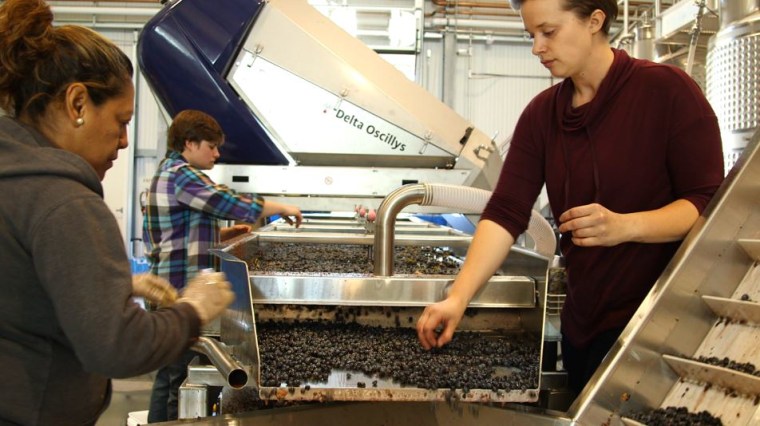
x,y
184,52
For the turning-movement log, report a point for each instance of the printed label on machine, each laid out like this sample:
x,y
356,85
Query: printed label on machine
x,y
371,129
306,118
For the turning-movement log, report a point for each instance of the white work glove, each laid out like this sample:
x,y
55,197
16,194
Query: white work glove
x,y
154,289
209,294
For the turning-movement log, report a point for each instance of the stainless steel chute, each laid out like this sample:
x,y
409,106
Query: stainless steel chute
x,y
495,357
509,306
694,341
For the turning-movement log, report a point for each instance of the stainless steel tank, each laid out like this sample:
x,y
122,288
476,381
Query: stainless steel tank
x,y
732,78
644,41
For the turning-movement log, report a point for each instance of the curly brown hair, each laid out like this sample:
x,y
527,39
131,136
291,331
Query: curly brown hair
x,y
195,126
39,61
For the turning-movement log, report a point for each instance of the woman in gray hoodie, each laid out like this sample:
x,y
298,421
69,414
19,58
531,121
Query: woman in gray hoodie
x,y
67,319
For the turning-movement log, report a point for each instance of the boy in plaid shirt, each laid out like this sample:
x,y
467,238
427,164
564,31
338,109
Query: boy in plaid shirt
x,y
182,221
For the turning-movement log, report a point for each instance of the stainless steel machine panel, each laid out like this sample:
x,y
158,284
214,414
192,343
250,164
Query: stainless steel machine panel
x,y
509,309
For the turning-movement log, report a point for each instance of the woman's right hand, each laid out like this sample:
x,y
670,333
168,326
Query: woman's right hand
x,y
153,289
210,295
292,215
288,212
437,324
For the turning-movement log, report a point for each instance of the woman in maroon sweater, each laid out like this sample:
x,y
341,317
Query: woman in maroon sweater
x,y
630,153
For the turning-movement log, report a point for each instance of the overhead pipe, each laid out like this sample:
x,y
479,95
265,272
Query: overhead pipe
x,y
499,5
483,35
474,23
469,12
458,4
452,21
104,25
505,4
111,1
106,11
459,198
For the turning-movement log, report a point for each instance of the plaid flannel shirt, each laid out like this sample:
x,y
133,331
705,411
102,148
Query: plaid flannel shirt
x,y
182,214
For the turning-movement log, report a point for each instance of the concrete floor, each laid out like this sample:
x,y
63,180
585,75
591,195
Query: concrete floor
x,y
129,395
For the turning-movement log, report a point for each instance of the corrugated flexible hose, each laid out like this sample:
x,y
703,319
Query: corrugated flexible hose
x,y
474,200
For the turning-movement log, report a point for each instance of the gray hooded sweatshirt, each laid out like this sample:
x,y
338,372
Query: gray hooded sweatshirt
x,y
67,319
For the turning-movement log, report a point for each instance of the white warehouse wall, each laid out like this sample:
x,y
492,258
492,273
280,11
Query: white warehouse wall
x,y
493,82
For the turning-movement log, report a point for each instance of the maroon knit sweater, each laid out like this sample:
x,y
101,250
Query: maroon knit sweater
x,y
648,138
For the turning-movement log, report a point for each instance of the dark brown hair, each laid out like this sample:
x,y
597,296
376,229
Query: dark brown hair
x,y
195,126
39,61
584,8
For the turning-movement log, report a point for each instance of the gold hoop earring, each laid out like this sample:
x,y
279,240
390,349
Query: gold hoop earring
x,y
79,121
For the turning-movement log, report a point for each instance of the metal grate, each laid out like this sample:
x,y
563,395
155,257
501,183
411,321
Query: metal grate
x,y
556,288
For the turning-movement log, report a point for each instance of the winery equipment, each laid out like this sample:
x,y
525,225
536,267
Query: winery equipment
x,y
688,353
732,78
322,280
290,90
388,309
312,116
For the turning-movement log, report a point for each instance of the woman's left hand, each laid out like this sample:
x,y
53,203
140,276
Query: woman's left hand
x,y
233,231
594,225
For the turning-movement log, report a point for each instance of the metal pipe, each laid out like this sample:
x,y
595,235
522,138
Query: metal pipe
x,y
234,374
500,13
94,3
694,40
475,23
457,4
103,25
117,11
386,221
484,36
460,198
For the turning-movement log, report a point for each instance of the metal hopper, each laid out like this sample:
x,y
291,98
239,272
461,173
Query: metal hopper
x,y
303,294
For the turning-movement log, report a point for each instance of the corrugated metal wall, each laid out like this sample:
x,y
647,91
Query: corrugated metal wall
x,y
494,82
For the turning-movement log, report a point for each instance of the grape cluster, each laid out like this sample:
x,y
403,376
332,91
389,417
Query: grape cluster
x,y
293,354
350,259
676,416
744,367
